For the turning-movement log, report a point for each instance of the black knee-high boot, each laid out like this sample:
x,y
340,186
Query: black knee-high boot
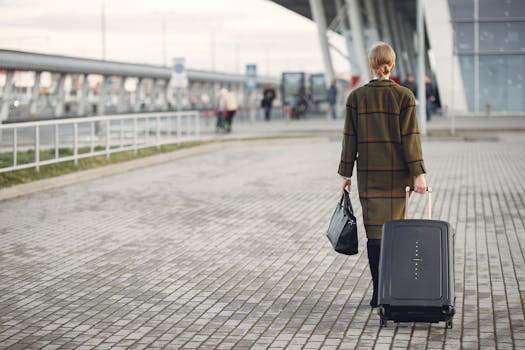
x,y
374,246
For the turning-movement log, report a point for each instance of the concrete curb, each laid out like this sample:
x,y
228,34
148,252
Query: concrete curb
x,y
118,168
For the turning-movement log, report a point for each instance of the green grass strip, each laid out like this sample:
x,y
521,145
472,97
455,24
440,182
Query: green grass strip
x,y
17,177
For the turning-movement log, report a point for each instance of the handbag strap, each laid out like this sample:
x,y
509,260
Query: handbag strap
x,y
346,203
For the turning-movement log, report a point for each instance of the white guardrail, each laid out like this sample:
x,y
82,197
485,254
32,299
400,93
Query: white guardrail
x,y
94,136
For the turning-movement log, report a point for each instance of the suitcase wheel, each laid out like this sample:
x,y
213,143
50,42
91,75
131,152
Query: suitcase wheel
x,y
382,316
449,324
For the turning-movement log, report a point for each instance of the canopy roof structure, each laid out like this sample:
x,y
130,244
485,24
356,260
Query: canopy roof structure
x,y
302,7
29,61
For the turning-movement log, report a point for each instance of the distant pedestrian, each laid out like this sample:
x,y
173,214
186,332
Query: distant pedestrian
x,y
267,102
430,94
332,98
410,83
229,104
299,104
381,134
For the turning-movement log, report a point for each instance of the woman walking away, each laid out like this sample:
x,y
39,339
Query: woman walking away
x,y
381,133
228,104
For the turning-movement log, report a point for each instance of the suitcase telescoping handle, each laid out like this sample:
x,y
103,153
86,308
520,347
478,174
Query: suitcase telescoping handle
x,y
408,189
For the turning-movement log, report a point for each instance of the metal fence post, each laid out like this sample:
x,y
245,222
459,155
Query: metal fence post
x,y
197,124
164,134
186,125
75,144
121,133
179,133
92,137
169,128
57,153
146,131
158,132
135,135
15,151
37,147
108,133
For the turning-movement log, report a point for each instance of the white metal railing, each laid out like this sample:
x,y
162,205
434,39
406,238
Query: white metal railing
x,y
94,136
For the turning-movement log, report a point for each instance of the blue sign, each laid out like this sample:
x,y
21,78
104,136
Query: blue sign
x,y
179,68
179,78
251,77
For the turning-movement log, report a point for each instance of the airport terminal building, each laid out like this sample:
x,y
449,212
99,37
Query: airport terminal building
x,y
490,44
474,49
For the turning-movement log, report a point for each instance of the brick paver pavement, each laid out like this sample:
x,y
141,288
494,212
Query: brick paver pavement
x,y
227,250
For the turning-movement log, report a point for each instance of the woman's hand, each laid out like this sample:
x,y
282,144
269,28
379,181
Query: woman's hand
x,y
346,184
420,184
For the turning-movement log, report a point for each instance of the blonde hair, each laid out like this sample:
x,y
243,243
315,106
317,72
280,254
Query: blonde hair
x,y
381,59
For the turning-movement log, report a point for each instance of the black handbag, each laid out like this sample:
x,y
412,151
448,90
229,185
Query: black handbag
x,y
342,232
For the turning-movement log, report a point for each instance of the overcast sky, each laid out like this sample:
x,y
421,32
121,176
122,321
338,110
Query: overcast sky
x,y
244,31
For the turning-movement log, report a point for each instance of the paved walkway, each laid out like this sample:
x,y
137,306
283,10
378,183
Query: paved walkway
x,y
226,250
316,124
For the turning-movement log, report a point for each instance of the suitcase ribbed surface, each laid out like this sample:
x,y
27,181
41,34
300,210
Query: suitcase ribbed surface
x,y
416,280
417,262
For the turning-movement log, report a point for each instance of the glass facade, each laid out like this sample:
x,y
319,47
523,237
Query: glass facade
x,y
490,42
467,70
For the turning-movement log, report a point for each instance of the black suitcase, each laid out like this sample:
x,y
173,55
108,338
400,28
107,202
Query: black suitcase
x,y
416,270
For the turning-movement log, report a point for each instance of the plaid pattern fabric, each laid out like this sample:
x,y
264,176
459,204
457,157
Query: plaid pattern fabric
x,y
382,134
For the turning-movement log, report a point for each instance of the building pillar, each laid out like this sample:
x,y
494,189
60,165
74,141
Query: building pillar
x,y
408,38
83,97
138,95
385,27
163,91
60,96
35,94
372,33
355,69
193,91
102,96
448,77
421,69
168,95
100,127
341,11
345,31
356,26
476,55
153,95
318,15
399,44
159,94
6,95
406,43
121,102
213,94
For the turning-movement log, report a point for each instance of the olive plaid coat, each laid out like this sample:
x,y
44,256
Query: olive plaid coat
x,y
382,134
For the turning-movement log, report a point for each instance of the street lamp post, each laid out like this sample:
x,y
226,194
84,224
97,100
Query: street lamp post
x,y
163,24
103,28
163,28
212,48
